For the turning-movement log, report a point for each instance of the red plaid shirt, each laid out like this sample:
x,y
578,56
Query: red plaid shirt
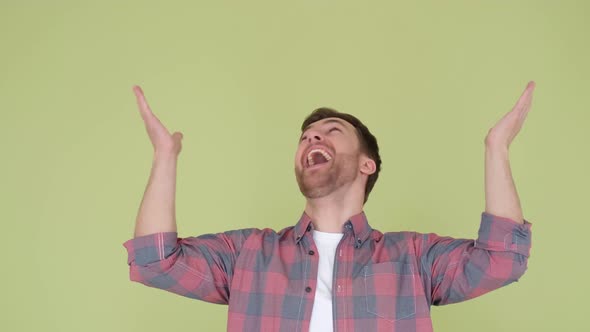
x,y
382,281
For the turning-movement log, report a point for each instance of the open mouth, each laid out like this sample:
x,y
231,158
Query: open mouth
x,y
316,157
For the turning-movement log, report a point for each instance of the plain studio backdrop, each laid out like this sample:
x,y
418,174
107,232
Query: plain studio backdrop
x,y
237,78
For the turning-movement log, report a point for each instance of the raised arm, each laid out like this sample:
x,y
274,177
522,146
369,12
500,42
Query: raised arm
x,y
500,192
460,269
197,267
157,211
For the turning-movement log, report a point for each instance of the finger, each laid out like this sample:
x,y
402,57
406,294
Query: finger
x,y
525,97
525,110
527,107
529,100
144,108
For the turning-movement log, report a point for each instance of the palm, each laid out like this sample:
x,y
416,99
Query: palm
x,y
160,137
504,132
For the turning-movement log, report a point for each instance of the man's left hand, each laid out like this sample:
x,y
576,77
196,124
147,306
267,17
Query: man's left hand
x,y
502,134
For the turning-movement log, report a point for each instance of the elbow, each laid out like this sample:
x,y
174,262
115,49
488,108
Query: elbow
x,y
153,273
519,267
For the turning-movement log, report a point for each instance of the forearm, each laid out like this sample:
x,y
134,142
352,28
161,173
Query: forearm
x,y
157,210
500,192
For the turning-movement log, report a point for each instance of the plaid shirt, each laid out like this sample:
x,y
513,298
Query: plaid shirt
x,y
381,282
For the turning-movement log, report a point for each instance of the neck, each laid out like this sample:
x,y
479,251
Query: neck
x,y
329,213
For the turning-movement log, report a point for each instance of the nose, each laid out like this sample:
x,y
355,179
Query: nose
x,y
314,136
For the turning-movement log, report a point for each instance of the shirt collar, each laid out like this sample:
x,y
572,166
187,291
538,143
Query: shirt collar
x,y
357,224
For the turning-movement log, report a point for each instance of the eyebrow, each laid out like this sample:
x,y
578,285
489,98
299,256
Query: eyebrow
x,y
338,121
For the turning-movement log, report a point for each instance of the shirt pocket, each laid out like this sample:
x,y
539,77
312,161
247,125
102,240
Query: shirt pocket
x,y
390,290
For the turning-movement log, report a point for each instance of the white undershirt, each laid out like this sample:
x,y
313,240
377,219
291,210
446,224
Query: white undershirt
x,y
321,314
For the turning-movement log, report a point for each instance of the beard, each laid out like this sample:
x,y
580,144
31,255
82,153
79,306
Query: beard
x,y
324,181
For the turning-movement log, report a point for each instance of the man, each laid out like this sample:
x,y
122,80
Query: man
x,y
331,271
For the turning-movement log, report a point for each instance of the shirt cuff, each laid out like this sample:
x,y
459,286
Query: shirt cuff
x,y
504,234
151,248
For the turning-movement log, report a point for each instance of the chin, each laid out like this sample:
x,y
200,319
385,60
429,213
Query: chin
x,y
316,193
316,189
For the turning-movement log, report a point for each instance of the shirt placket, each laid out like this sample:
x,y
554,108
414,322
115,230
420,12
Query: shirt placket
x,y
340,279
310,266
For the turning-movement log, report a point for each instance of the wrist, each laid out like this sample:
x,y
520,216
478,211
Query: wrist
x,y
165,158
497,150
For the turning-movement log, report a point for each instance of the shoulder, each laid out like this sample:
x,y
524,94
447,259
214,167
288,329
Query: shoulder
x,y
394,236
261,234
399,242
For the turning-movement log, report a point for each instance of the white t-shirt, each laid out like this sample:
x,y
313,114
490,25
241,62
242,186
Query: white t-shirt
x,y
321,314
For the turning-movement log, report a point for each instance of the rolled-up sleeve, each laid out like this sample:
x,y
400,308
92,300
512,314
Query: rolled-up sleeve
x,y
456,270
504,234
197,267
148,249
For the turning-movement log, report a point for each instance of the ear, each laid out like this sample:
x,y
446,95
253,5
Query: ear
x,y
368,165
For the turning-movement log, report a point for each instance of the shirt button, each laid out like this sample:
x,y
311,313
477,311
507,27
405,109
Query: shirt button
x,y
308,289
311,252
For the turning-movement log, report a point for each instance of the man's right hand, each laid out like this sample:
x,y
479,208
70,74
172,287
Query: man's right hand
x,y
162,141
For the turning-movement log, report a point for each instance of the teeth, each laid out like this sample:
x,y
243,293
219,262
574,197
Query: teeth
x,y
324,153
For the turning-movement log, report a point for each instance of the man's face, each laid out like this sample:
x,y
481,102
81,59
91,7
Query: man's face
x,y
327,158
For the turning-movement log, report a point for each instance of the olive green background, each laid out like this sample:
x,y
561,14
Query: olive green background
x,y
237,78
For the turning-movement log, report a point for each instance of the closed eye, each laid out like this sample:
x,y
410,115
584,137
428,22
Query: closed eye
x,y
329,131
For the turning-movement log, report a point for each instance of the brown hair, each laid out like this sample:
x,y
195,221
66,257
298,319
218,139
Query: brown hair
x,y
368,142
